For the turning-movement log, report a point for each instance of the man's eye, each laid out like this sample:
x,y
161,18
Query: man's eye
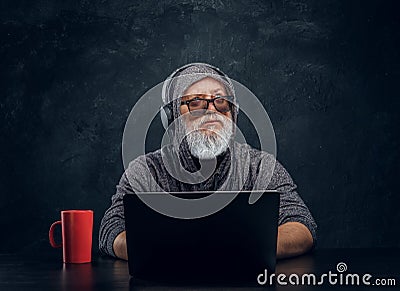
x,y
195,103
221,101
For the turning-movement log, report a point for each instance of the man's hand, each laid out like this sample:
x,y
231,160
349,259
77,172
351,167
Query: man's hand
x,y
119,246
294,239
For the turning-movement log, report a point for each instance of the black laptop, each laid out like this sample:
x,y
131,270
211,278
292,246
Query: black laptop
x,y
233,245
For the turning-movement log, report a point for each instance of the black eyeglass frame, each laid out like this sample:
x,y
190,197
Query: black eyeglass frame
x,y
204,109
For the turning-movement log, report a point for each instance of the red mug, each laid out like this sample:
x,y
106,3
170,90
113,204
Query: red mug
x,y
77,228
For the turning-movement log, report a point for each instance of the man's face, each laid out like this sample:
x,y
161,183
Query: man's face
x,y
208,124
208,133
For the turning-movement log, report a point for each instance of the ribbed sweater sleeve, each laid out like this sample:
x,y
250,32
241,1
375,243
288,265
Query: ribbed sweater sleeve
x,y
292,207
113,222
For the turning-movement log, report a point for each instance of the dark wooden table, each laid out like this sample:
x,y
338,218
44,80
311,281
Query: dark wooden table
x,y
45,271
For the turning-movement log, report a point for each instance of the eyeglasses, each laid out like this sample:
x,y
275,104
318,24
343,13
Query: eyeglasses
x,y
198,104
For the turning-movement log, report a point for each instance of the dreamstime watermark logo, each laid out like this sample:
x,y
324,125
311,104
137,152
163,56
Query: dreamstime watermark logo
x,y
341,267
331,278
134,139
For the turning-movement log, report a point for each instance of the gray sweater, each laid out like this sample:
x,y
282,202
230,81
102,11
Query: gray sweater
x,y
242,167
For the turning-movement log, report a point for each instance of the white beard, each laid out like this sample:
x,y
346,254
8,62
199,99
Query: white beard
x,y
209,145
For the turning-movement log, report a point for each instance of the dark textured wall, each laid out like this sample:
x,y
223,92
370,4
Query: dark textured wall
x,y
327,72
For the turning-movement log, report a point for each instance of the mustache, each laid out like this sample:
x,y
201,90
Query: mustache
x,y
209,117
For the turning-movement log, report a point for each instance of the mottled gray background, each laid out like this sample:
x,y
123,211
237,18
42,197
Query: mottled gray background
x,y
327,73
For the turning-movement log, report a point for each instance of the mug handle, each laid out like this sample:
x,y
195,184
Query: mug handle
x,y
51,235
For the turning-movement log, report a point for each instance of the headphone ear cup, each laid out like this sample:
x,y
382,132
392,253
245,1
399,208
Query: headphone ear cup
x,y
166,115
237,109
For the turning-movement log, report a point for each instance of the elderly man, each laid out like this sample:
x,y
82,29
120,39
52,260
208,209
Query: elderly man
x,y
200,101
